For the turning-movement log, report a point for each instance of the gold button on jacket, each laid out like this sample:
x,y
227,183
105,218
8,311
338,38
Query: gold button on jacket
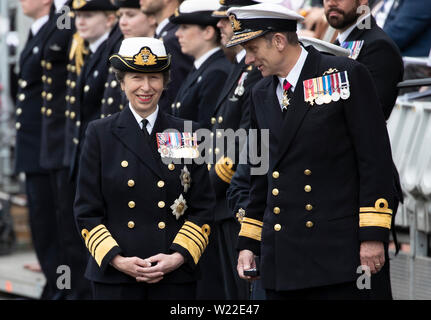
x,y
277,227
131,204
161,204
309,224
131,183
124,164
275,174
162,225
276,210
307,188
161,184
131,224
275,192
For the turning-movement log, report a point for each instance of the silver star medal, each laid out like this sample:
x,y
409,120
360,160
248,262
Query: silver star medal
x,y
185,179
179,207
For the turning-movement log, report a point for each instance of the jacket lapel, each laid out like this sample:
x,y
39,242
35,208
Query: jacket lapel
x,y
128,131
356,33
298,107
233,78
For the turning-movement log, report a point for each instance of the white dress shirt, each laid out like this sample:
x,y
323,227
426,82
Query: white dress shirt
x,y
292,77
151,118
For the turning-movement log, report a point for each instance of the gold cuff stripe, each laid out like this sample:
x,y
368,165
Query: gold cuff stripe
x,y
250,231
188,244
223,169
93,232
96,241
375,220
103,248
186,230
253,221
198,229
381,206
99,242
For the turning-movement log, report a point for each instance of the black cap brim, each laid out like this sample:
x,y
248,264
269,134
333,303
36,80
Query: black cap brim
x,y
202,18
127,64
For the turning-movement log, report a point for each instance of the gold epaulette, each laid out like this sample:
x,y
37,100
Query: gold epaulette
x,y
193,238
251,228
223,169
378,216
77,52
99,242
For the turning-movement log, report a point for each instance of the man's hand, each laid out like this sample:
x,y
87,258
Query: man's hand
x,y
372,254
165,263
245,262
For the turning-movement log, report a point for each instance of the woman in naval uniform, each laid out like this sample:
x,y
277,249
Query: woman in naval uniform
x,y
144,219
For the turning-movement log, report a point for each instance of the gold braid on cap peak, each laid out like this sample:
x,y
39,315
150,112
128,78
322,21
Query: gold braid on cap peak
x,y
77,52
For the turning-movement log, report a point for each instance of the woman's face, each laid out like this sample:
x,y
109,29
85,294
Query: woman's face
x,y
91,25
135,23
191,39
143,91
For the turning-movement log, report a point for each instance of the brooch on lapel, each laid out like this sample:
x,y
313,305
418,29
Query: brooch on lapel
x,y
239,91
179,207
177,145
332,86
354,47
185,179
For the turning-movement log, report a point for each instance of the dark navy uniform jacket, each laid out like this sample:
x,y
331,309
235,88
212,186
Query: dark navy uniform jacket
x,y
90,86
113,98
198,94
55,59
382,58
231,112
330,183
124,198
29,101
180,66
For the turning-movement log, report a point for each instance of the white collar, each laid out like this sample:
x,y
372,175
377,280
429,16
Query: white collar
x,y
161,26
240,55
95,45
38,24
199,62
151,118
343,36
294,74
59,4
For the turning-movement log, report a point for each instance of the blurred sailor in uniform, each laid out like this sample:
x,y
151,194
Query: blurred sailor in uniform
x,y
324,208
90,49
40,195
54,73
165,31
144,217
132,23
230,112
369,45
200,38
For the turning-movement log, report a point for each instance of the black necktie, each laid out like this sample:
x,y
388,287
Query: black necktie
x,y
336,42
144,128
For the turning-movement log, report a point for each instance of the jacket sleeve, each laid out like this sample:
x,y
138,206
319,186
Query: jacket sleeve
x,y
194,235
89,206
251,227
367,128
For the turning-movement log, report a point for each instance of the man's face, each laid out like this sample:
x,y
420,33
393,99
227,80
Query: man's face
x,y
341,13
32,8
262,54
151,6
226,30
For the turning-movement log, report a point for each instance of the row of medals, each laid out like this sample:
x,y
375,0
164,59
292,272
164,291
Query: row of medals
x,y
326,97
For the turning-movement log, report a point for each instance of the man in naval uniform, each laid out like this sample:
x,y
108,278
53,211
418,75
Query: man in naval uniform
x,y
230,112
324,209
